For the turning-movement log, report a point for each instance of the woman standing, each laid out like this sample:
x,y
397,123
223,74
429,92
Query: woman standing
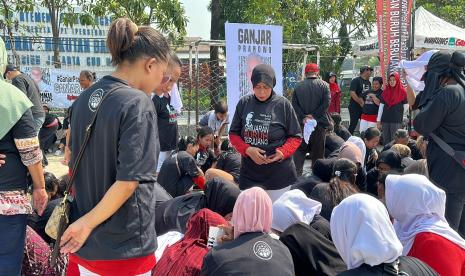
x,y
391,109
19,146
166,114
371,104
335,104
442,112
266,132
114,209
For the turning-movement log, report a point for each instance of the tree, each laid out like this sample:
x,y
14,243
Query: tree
x,y
6,9
450,10
63,12
167,15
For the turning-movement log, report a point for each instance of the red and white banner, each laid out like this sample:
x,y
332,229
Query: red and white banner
x,y
393,33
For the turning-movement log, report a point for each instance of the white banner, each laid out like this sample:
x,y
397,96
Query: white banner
x,y
58,87
248,45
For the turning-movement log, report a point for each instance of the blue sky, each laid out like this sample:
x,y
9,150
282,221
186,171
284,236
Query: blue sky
x,y
199,18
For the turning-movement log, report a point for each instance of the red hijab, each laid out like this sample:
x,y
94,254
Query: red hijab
x,y
396,94
186,256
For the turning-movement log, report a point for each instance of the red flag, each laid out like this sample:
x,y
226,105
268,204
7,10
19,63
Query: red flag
x,y
393,33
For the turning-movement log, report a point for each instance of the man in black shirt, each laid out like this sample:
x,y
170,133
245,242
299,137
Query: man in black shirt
x,y
311,101
30,88
358,86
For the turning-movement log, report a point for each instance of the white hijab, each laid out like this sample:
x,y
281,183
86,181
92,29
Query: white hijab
x,y
293,207
417,206
361,145
362,232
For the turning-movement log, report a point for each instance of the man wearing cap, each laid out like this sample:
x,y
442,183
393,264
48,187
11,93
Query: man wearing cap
x,y
358,86
311,101
30,88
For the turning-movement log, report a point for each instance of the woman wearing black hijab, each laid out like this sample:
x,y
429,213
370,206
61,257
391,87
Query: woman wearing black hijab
x,y
389,161
442,105
219,196
266,132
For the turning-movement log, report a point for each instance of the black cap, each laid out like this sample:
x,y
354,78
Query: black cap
x,y
365,68
9,68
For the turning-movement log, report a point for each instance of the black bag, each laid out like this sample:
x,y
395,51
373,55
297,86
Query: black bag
x,y
61,218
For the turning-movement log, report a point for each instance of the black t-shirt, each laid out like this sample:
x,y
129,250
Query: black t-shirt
x,y
249,254
30,88
205,159
13,174
169,175
266,125
370,108
167,123
230,162
332,143
393,114
359,86
123,146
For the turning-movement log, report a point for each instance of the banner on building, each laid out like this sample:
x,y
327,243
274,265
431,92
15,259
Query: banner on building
x,y
248,45
58,87
393,33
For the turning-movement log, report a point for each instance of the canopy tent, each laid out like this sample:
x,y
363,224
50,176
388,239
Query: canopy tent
x,y
431,32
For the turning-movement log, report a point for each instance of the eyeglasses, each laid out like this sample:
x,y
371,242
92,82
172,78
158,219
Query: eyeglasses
x,y
165,79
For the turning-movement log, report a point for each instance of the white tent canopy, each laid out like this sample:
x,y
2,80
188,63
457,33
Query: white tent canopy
x,y
431,32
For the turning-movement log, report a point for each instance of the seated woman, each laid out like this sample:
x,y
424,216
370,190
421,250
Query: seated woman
x,y
367,242
333,142
219,196
355,152
321,172
48,132
179,172
228,165
341,186
185,257
307,235
418,209
371,138
339,129
388,162
253,251
205,156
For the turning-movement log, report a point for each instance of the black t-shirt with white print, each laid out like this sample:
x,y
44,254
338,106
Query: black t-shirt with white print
x,y
121,147
170,176
167,123
370,108
359,86
266,125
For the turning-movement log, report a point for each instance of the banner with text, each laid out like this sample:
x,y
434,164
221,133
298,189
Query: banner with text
x,y
393,33
58,88
248,45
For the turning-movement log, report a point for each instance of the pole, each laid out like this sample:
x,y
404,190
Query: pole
x,y
189,104
304,62
197,83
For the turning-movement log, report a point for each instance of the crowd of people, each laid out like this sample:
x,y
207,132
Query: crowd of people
x,y
148,202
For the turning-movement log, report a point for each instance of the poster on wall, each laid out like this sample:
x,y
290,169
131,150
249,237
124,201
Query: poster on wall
x,y
248,45
59,88
393,17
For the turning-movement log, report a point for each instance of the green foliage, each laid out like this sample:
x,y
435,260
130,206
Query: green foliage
x,y
167,15
450,10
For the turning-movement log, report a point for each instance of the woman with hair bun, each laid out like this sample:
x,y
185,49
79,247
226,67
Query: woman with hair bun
x,y
112,226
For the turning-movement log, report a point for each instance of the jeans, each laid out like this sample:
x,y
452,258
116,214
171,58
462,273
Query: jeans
x,y
455,203
12,238
316,145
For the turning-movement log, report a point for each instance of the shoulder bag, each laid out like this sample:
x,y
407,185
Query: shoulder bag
x,y
59,219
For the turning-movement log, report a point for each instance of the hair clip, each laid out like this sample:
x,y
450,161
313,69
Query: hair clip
x,y
337,173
